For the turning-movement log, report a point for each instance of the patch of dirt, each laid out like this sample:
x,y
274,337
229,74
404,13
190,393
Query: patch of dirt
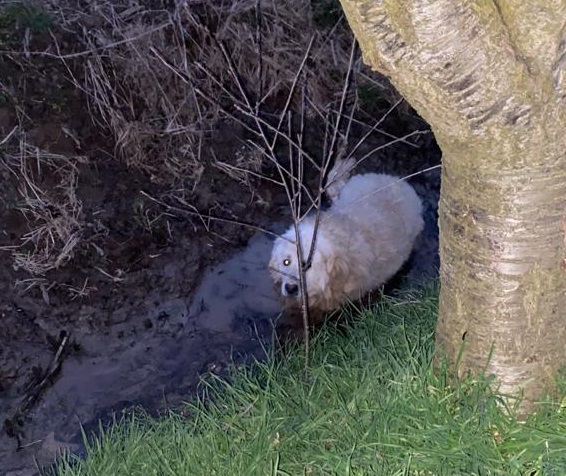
x,y
123,299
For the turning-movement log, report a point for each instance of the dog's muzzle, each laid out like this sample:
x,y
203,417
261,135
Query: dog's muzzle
x,y
291,289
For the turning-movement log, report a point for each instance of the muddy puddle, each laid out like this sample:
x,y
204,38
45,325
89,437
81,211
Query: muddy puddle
x,y
228,320
160,343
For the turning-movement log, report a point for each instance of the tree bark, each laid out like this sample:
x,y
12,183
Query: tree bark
x,y
489,77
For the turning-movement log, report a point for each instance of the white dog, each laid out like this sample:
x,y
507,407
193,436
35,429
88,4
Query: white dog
x,y
361,241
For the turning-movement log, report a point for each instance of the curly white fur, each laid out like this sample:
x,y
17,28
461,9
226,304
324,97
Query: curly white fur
x,y
362,240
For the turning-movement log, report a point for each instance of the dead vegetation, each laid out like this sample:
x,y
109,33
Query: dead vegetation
x,y
158,80
47,185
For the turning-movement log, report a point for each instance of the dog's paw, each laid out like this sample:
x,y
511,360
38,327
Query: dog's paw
x,y
338,176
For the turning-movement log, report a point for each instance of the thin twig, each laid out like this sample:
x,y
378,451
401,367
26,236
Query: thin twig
x,y
9,135
195,212
36,391
88,52
331,150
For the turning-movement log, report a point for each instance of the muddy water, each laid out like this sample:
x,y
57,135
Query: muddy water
x,y
237,293
229,318
154,351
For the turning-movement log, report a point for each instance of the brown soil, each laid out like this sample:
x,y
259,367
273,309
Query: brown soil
x,y
107,300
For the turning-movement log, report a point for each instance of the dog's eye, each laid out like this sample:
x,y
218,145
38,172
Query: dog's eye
x,y
286,262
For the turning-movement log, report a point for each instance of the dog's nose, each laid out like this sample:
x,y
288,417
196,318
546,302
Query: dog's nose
x,y
291,289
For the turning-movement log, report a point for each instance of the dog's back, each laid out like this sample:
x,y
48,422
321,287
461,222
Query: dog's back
x,y
362,194
387,211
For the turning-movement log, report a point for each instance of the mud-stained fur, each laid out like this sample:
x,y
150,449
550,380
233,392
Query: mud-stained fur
x,y
363,239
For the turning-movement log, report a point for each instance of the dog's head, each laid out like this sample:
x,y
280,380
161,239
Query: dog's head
x,y
324,272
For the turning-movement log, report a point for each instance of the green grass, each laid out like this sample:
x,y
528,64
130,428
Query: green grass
x,y
372,405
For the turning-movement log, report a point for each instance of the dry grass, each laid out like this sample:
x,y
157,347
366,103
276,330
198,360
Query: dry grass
x,y
158,81
47,185
145,72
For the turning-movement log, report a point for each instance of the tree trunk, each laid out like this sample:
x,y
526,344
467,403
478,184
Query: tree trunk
x,y
489,77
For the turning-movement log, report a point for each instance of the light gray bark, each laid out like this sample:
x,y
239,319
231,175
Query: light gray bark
x,y
490,78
